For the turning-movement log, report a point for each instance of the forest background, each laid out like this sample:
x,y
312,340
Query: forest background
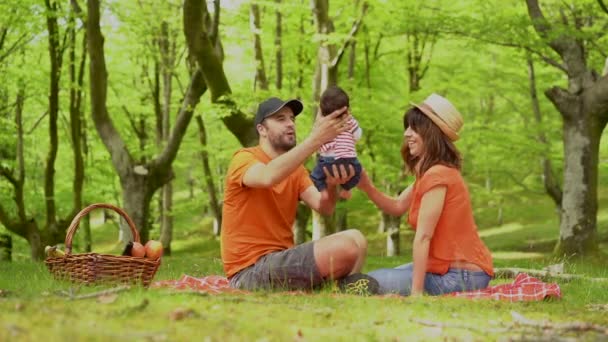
x,y
142,103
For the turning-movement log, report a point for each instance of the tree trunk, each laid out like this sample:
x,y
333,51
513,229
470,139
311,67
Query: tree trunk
x,y
391,228
500,215
20,181
138,182
584,109
213,196
578,228
23,226
353,49
166,224
278,44
6,247
55,55
36,240
201,47
300,224
366,49
419,44
301,56
76,113
85,226
352,61
167,54
260,71
551,184
136,202
341,218
390,225
322,225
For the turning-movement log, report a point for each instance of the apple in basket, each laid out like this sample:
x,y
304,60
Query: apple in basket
x,y
138,250
154,249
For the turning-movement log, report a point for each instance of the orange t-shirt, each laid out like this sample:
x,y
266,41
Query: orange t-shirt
x,y
455,237
257,221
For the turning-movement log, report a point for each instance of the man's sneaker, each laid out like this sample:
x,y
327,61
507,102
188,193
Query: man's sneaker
x,y
359,284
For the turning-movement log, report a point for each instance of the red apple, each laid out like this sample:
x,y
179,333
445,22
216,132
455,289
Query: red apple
x,y
154,249
138,250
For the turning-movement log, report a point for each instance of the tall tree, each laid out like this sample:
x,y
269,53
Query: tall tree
x,y
56,57
214,202
260,71
552,187
138,182
584,109
199,38
167,48
76,71
24,225
278,45
328,54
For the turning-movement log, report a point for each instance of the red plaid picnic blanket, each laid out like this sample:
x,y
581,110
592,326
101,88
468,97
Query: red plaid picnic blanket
x,y
213,284
523,288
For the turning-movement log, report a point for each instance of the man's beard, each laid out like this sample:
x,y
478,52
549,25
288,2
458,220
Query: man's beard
x,y
282,143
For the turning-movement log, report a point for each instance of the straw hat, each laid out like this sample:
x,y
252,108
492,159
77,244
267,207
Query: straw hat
x,y
443,114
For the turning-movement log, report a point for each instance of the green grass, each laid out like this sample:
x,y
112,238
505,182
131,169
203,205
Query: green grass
x,y
33,311
32,307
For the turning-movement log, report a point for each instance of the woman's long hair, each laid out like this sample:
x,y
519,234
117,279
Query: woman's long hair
x,y
438,148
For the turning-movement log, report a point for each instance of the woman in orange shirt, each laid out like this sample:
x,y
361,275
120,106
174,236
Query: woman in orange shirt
x,y
448,255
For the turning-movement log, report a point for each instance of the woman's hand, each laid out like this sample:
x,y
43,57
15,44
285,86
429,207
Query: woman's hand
x,y
417,293
365,184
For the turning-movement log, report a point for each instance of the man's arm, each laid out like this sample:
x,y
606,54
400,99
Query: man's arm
x,y
326,128
325,202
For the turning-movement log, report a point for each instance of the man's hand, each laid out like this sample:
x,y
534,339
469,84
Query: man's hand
x,y
334,177
328,127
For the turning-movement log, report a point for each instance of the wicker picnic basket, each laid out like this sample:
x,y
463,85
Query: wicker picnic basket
x,y
93,268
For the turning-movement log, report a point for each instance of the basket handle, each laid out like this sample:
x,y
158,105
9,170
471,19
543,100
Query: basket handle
x,y
83,212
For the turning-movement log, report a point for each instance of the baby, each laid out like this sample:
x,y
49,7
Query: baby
x,y
341,150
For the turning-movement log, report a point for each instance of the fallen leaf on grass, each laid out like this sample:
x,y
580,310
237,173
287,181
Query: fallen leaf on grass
x,y
19,307
5,293
107,298
182,313
299,336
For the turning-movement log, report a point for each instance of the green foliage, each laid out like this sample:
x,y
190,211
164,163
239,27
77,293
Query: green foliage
x,y
475,62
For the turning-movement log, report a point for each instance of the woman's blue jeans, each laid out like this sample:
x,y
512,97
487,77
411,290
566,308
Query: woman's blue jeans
x,y
399,280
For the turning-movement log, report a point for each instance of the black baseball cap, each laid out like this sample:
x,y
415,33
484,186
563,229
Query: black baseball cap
x,y
273,105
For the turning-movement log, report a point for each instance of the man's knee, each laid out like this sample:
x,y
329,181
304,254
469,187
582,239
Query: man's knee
x,y
351,251
339,251
358,237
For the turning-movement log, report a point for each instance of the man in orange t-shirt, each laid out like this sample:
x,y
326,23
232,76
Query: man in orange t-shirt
x,y
263,186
